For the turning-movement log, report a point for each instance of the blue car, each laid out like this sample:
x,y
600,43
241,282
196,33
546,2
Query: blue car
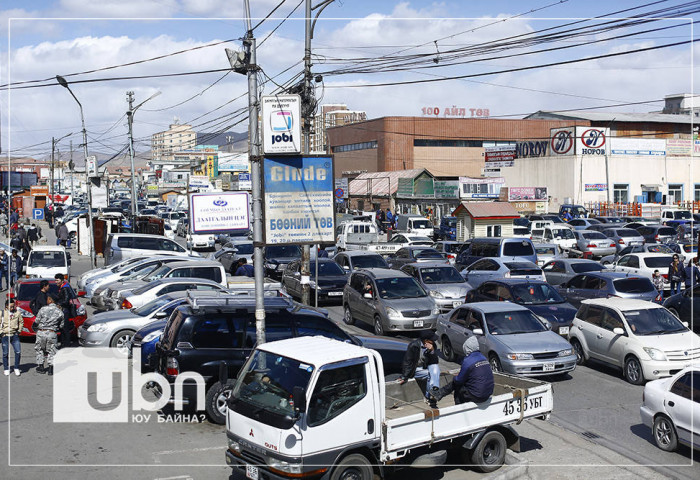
x,y
146,340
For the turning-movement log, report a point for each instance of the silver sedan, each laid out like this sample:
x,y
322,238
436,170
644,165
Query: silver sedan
x,y
594,243
442,282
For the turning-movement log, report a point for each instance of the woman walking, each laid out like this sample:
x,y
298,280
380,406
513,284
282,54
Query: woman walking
x,y
9,331
676,275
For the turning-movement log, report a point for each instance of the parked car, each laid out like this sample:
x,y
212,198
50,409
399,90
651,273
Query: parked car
x,y
644,264
640,223
390,300
121,246
562,270
576,211
330,281
140,296
172,218
408,255
538,296
101,271
583,223
46,261
511,336
244,247
644,339
351,260
446,230
646,248
671,408
521,232
624,237
228,258
494,268
277,257
223,330
547,252
442,282
657,233
25,290
594,244
611,220
607,284
686,306
449,249
183,225
510,248
200,241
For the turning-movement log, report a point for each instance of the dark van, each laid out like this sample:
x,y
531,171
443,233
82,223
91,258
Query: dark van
x,y
510,248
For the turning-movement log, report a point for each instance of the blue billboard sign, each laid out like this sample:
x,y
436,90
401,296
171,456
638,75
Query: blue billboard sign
x,y
298,200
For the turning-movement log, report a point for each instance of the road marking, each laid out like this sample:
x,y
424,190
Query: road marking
x,y
180,477
157,455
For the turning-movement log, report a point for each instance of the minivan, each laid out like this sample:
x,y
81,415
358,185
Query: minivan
x,y
121,246
48,260
478,248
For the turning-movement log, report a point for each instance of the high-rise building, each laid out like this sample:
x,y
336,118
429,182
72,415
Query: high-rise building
x,y
331,115
164,144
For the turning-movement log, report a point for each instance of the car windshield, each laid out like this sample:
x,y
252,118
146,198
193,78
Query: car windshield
x,y
653,321
38,258
244,248
399,287
682,215
152,306
546,250
176,215
535,294
513,323
593,236
520,231
658,262
267,380
584,267
627,233
326,269
565,233
158,273
634,285
422,224
369,261
522,268
279,251
28,291
452,222
426,253
666,231
518,249
434,275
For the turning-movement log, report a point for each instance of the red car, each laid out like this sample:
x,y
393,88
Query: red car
x,y
25,290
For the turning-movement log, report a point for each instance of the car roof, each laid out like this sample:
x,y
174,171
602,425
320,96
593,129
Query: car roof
x,y
197,263
575,260
49,248
162,281
495,307
420,265
384,273
115,235
609,275
515,281
35,280
622,304
650,254
545,245
359,253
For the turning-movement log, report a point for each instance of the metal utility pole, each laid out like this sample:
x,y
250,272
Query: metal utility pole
x,y
130,117
71,165
53,150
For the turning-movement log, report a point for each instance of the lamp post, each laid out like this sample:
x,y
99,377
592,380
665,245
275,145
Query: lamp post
x,y
130,117
91,239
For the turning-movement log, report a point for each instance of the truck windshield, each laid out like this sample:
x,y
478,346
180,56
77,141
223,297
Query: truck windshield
x,y
264,387
37,258
421,224
681,215
564,233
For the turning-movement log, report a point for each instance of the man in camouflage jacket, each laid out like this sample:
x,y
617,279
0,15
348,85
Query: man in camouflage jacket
x,y
48,321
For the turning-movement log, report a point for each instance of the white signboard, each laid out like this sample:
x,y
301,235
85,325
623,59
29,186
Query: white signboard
x,y
562,141
233,162
219,212
592,141
99,197
638,146
199,181
480,187
91,166
281,119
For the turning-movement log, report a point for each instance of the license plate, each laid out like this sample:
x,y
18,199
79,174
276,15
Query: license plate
x,y
334,294
251,472
548,367
456,304
563,330
417,323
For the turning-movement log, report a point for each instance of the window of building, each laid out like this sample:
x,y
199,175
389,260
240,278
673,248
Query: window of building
x,y
675,192
355,146
697,192
424,142
621,193
493,231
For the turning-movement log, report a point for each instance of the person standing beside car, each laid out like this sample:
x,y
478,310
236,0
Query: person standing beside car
x,y
676,275
46,325
65,302
692,274
41,299
10,324
16,264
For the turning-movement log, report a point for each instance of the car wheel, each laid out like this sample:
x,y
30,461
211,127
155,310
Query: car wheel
x,y
353,467
378,327
121,341
578,350
675,312
490,454
605,262
495,363
447,350
633,371
347,317
665,433
216,398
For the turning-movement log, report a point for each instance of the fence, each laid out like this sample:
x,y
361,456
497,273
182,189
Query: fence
x,y
649,210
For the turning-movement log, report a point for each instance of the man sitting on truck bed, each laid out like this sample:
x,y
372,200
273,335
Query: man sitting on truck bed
x,y
421,361
474,383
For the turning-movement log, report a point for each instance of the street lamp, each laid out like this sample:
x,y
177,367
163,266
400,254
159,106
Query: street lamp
x,y
130,117
91,240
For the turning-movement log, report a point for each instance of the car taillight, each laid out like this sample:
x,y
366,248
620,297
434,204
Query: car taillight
x,y
659,298
656,238
621,241
612,244
126,304
172,367
590,245
450,257
665,275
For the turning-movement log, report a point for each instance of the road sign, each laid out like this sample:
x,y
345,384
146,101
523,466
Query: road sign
x,y
339,193
38,214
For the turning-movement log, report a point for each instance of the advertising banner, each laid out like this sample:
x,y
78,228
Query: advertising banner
x,y
679,147
592,141
281,119
502,156
527,193
199,181
562,141
212,166
638,146
219,212
233,162
596,187
299,201
446,188
480,187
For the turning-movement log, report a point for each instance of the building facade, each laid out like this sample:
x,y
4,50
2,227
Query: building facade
x,y
164,144
329,116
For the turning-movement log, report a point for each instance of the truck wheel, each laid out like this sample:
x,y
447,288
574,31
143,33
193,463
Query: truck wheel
x,y
347,317
578,350
447,350
490,454
353,467
216,402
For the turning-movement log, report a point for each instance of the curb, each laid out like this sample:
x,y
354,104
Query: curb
x,y
515,466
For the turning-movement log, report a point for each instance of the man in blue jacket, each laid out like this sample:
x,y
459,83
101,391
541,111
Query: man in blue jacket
x,y
474,383
244,270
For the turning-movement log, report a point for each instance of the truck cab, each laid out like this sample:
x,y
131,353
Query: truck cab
x,y
355,233
447,230
48,260
416,224
674,217
576,211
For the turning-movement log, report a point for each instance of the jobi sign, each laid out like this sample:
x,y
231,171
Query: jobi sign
x,y
219,212
281,119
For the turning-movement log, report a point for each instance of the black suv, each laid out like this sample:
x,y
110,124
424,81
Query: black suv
x,y
214,336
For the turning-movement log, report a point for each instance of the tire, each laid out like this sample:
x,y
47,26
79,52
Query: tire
x,y
490,454
674,312
353,467
633,371
605,263
215,402
495,363
120,340
378,327
347,317
578,350
665,433
447,350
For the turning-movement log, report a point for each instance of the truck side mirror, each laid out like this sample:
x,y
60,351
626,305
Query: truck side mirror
x,y
299,399
368,296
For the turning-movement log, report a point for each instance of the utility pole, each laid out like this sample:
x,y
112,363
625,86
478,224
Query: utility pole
x,y
130,119
71,165
53,150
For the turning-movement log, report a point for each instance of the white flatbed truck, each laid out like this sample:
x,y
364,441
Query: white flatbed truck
x,y
312,407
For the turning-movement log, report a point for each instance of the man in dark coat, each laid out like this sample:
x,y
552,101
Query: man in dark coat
x,y
421,362
474,382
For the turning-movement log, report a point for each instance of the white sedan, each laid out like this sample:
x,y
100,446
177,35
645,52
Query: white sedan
x,y
196,241
671,408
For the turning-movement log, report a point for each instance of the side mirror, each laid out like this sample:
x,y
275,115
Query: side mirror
x,y
478,331
346,267
160,314
685,324
618,331
368,296
299,399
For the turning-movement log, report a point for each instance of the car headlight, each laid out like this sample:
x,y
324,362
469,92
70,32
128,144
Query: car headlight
x,y
655,354
98,327
520,356
211,238
80,311
436,294
152,336
234,446
282,466
25,313
392,313
435,311
566,353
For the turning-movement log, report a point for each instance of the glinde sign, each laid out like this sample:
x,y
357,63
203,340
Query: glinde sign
x,y
281,118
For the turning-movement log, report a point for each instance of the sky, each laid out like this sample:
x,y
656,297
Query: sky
x,y
384,57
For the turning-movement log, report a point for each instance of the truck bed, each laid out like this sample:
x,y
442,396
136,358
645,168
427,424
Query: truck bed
x,y
410,422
